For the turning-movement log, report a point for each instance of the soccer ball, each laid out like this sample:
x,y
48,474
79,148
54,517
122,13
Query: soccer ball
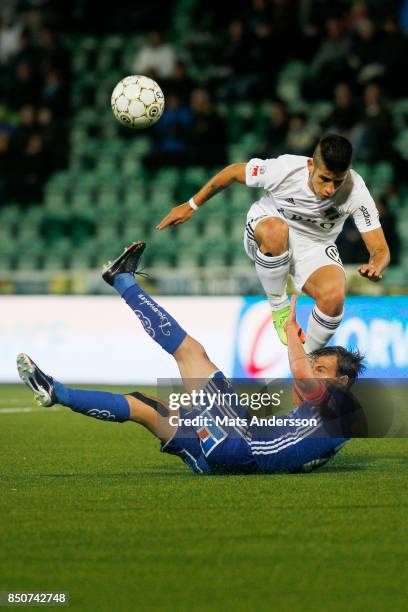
x,y
137,101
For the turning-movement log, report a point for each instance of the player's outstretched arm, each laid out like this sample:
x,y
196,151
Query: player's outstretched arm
x,y
299,363
305,384
183,212
379,255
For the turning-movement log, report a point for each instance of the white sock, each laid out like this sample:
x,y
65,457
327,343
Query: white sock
x,y
320,329
273,273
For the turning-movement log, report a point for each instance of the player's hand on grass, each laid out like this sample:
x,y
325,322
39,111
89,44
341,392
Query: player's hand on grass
x,y
291,322
370,271
178,214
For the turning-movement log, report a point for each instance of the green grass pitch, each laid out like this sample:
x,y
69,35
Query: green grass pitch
x,y
94,509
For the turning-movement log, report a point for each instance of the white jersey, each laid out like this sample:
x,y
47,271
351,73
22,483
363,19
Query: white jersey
x,y
285,179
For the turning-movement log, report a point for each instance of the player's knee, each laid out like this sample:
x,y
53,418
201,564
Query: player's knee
x,y
330,300
272,236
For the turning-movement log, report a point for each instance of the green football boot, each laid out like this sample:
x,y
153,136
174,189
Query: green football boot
x,y
280,318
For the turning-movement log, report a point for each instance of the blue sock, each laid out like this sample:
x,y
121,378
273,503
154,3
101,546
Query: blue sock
x,y
98,404
156,321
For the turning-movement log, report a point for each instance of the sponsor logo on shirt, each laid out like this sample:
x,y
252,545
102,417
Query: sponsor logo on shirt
x,y
292,217
332,213
290,201
366,215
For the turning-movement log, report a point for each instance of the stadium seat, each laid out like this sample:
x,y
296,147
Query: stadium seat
x,y
54,262
32,216
194,178
190,260
167,178
132,233
400,111
7,243
401,143
240,259
9,215
80,261
7,262
28,261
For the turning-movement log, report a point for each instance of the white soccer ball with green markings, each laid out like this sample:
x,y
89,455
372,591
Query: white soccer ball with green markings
x,y
137,101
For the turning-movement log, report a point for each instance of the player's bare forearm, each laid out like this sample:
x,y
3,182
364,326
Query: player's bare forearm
x,y
183,212
298,360
380,259
379,255
300,365
219,182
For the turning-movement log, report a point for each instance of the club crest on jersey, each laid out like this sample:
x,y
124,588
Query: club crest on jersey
x,y
258,170
332,252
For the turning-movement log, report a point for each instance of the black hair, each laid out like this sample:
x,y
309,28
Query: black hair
x,y
334,151
349,363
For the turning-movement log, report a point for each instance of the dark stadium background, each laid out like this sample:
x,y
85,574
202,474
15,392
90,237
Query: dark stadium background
x,y
91,507
258,78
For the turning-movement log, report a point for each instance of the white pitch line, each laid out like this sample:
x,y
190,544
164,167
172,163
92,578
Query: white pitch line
x,y
21,409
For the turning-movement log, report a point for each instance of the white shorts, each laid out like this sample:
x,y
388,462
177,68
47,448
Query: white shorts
x,y
306,255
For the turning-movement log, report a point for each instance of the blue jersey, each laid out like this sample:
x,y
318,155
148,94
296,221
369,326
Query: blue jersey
x,y
301,448
248,448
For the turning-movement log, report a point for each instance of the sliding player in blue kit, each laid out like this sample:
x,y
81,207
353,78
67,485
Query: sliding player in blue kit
x,y
321,382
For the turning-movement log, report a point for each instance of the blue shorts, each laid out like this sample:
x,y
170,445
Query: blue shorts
x,y
214,449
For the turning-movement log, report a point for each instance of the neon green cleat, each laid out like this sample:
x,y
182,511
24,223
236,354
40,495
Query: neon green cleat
x,y
280,318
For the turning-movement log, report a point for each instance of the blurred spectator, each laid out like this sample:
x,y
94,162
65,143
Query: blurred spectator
x,y
364,52
357,14
345,113
169,142
6,168
263,50
155,57
393,47
10,32
276,133
52,133
302,136
25,52
178,83
286,34
53,94
207,135
45,122
33,171
237,58
25,128
330,63
376,130
6,125
49,52
24,87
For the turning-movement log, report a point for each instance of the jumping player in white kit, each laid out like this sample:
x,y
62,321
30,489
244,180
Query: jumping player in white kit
x,y
292,229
